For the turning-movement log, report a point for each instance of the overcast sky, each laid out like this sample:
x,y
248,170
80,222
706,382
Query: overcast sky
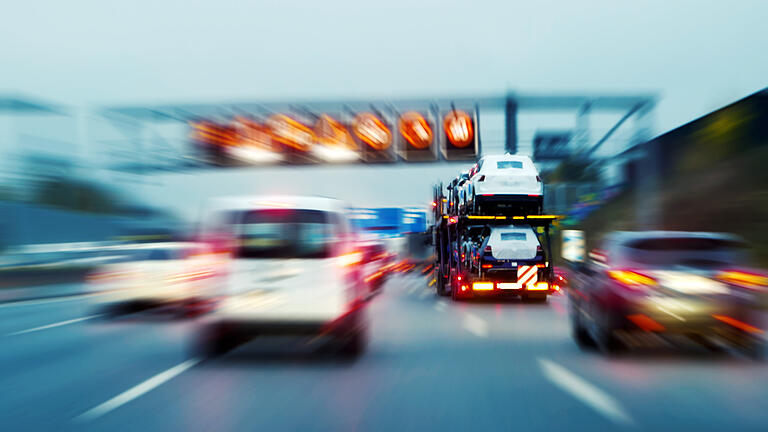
x,y
697,55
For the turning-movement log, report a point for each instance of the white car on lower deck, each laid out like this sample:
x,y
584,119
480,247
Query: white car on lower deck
x,y
294,269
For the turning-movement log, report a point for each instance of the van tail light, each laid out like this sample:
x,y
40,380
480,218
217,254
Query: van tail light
x,y
350,259
632,279
488,249
539,249
538,179
482,178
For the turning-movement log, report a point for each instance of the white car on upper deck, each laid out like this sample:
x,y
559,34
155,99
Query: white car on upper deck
x,y
504,184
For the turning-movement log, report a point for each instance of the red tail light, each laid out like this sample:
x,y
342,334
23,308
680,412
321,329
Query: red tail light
x,y
738,324
632,279
487,266
350,259
488,249
745,279
646,323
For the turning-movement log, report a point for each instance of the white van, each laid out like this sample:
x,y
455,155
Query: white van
x,y
293,270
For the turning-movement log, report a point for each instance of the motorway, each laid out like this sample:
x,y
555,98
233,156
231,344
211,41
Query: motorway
x,y
431,365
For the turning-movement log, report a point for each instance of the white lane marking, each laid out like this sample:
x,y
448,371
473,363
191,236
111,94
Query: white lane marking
x,y
440,306
135,392
58,324
475,325
585,392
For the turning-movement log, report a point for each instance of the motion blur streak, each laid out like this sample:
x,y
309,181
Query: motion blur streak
x,y
738,324
383,216
646,323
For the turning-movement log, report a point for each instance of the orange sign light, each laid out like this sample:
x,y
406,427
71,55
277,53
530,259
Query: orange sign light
x,y
252,133
459,128
290,132
330,132
372,131
415,129
213,133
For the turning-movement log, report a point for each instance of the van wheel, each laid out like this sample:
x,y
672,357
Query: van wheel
x,y
353,345
215,341
113,311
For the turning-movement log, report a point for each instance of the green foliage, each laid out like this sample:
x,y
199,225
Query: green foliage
x,y
723,134
72,194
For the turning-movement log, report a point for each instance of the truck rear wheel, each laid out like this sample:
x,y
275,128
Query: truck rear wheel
x,y
455,286
440,284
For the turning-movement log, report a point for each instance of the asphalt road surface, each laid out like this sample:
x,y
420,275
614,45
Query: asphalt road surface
x,y
431,365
